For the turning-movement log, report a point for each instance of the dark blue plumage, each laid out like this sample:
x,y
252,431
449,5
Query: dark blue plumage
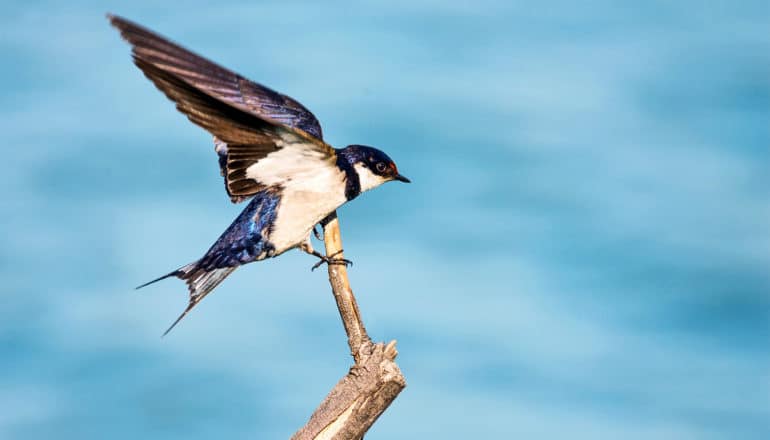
x,y
346,157
245,240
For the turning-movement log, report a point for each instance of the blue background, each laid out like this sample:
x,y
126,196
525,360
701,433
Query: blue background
x,y
584,251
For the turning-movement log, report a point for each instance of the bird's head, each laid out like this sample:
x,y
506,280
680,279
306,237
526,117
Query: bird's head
x,y
372,166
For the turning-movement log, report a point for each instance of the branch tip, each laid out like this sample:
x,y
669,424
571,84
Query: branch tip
x,y
390,350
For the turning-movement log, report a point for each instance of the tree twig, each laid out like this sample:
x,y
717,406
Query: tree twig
x,y
372,383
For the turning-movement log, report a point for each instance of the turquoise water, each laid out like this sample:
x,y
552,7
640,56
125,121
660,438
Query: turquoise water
x,y
583,252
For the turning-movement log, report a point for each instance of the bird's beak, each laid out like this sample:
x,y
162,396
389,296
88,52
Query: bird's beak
x,y
401,178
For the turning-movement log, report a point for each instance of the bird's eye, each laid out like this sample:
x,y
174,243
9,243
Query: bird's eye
x,y
381,167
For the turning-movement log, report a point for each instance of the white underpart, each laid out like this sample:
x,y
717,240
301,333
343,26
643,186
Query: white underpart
x,y
305,201
312,185
367,178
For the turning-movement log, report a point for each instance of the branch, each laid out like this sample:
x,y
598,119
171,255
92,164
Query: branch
x,y
372,383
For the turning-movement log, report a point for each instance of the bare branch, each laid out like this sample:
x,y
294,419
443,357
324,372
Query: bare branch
x,y
372,383
338,278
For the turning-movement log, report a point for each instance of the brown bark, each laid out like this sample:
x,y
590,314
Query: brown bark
x,y
373,381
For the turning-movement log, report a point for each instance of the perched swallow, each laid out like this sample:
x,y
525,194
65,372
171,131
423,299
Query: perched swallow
x,y
270,150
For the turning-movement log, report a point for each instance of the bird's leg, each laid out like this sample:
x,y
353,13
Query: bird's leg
x,y
307,247
323,224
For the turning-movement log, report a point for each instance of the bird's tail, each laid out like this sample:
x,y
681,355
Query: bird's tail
x,y
200,282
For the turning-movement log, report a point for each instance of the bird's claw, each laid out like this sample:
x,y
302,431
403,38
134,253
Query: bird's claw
x,y
332,260
317,234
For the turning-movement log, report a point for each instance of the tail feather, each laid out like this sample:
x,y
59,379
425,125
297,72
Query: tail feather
x,y
200,282
175,273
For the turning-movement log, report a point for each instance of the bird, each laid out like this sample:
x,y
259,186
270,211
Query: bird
x,y
271,152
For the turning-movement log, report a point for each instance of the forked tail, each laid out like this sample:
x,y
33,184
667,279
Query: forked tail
x,y
244,241
200,282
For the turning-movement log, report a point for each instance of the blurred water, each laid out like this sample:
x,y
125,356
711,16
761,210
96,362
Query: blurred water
x,y
584,251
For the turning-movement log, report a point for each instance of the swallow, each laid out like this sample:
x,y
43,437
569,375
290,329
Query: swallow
x,y
271,152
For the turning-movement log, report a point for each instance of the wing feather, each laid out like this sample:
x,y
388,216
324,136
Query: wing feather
x,y
242,137
216,80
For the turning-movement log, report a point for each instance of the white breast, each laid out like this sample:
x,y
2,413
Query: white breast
x,y
305,201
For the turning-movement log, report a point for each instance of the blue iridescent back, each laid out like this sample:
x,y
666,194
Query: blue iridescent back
x,y
246,239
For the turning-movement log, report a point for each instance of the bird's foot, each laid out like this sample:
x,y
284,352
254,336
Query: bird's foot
x,y
331,260
317,234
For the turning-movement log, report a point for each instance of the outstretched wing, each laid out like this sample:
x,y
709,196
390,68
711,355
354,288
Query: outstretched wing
x,y
215,80
250,122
